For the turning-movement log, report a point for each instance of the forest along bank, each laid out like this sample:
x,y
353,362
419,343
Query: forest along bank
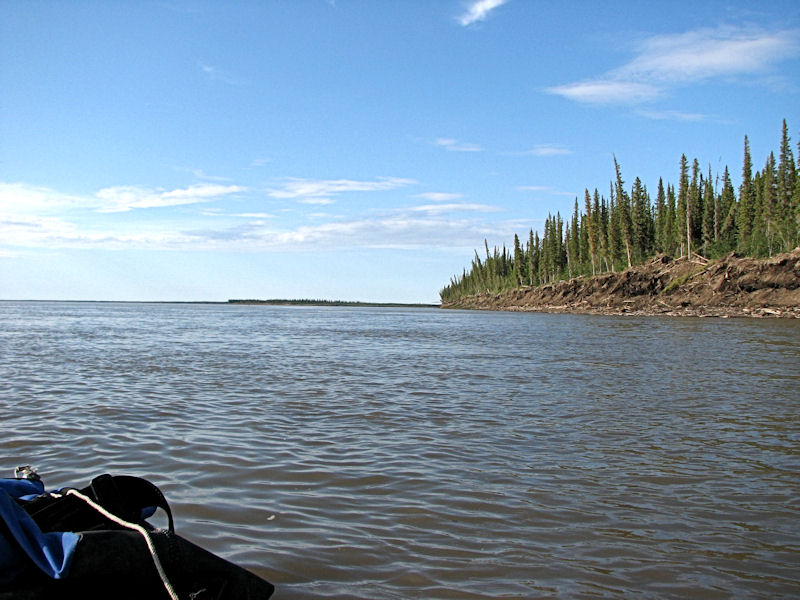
x,y
733,286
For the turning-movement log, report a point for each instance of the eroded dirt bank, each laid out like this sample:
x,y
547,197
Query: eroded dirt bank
x,y
733,286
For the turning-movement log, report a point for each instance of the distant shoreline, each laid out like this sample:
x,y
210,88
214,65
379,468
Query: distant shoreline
x,y
332,303
304,302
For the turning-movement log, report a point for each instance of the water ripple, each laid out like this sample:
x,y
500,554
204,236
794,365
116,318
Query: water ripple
x,y
391,453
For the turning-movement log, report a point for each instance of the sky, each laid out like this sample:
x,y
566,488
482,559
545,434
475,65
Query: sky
x,y
352,149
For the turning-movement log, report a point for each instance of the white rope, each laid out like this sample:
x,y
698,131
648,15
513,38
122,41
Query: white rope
x,y
150,546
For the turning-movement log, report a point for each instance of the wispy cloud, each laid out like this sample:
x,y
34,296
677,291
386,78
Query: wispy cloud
x,y
56,232
454,145
478,10
454,207
544,189
607,91
672,115
321,191
15,197
663,62
100,221
216,74
250,215
19,197
124,198
401,230
707,53
199,174
547,150
439,196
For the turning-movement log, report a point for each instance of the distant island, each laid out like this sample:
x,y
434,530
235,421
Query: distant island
x,y
630,253
310,302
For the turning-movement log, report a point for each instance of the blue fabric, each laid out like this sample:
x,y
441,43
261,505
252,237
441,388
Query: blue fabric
x,y
20,488
51,552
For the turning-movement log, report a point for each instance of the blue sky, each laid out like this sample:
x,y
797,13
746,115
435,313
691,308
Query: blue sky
x,y
354,150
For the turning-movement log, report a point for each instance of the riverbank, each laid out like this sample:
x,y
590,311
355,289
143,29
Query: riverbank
x,y
733,286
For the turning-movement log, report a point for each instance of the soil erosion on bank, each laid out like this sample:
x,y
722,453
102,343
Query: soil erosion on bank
x,y
733,286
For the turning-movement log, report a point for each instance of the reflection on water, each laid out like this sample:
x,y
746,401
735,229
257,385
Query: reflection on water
x,y
394,453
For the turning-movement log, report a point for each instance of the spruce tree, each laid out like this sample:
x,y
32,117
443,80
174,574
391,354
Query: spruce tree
x,y
744,212
592,227
771,218
585,251
728,213
624,210
574,246
660,218
683,210
641,219
708,225
786,179
695,208
519,263
671,234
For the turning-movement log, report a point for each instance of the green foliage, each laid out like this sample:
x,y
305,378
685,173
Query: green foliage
x,y
627,228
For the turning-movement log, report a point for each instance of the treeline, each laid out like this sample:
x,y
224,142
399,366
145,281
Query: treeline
x,y
313,302
705,215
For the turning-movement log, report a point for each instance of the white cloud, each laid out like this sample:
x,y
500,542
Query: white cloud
x,y
548,150
16,197
454,207
672,115
199,174
478,10
216,74
664,61
54,232
124,198
402,230
99,221
456,146
28,199
253,215
439,196
707,53
545,189
320,191
316,200
607,91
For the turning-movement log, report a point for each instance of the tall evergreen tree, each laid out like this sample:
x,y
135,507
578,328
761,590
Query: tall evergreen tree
x,y
641,220
771,213
624,210
519,262
709,220
694,215
592,227
683,214
785,190
744,212
671,224
660,217
728,212
574,246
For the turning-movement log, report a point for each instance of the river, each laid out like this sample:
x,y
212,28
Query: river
x,y
372,453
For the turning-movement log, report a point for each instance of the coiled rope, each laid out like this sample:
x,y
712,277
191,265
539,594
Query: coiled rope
x,y
136,527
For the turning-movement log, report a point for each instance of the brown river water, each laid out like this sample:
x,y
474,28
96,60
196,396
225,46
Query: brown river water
x,y
372,453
